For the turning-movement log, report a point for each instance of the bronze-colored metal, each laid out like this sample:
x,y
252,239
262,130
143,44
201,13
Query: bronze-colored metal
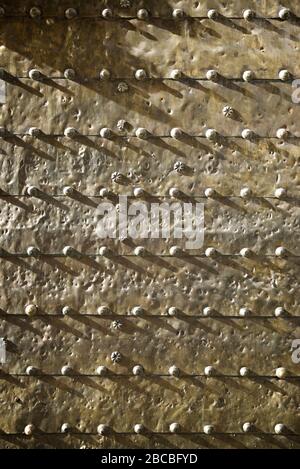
x,y
139,343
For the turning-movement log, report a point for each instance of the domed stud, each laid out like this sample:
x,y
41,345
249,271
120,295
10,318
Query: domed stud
x,y
31,310
248,427
245,312
248,75
246,252
175,251
35,132
138,370
31,371
176,74
107,13
117,177
210,193
140,74
104,311
281,252
104,74
139,193
137,311
122,87
143,14
30,429
246,193
212,135
284,13
280,312
173,311
71,13
103,430
180,167
281,373
70,132
213,14
142,133
174,371
33,191
249,15
284,75
282,134
70,74
210,371
35,12
212,75
116,325
174,427
211,252
228,111
209,429
174,192
245,372
35,74
280,193
140,251
280,428
106,133
178,14
116,357
67,311
66,428
69,251
104,251
68,190
33,251
139,428
102,370
248,134
176,133
209,312
67,370
105,193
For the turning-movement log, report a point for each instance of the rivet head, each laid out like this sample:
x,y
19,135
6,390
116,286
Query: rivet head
x,y
210,371
102,371
33,251
280,312
142,133
212,75
174,192
34,132
178,13
116,357
138,192
281,252
104,74
210,192
116,325
140,74
104,310
248,134
70,74
122,87
246,252
139,428
35,12
208,311
29,429
212,14
68,251
228,111
70,132
180,167
248,427
66,370
106,252
244,371
211,134
284,75
281,373
138,370
282,134
66,428
35,74
284,13
31,310
117,177
32,191
211,252
249,15
208,429
31,370
103,430
176,74
244,312
280,428
67,311
174,371
176,133
280,193
248,75
140,251
173,311
143,14
174,427
68,190
106,133
175,251
71,13
137,311
246,193
107,13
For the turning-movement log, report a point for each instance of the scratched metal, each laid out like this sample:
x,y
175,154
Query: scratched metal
x,y
85,340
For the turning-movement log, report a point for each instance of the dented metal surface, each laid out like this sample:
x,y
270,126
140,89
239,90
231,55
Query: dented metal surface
x,y
50,220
